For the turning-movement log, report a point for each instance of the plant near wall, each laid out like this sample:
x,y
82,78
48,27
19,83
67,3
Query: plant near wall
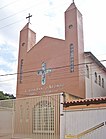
x,y
6,96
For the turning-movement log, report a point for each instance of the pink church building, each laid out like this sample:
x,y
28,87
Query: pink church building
x,y
54,65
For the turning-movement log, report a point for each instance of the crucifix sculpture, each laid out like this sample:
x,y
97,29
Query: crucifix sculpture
x,y
43,73
29,16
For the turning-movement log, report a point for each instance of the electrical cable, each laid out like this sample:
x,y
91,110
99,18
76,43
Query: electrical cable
x,y
62,71
18,13
59,67
8,4
64,76
11,24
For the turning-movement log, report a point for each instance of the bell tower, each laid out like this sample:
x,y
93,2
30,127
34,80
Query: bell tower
x,y
26,42
75,44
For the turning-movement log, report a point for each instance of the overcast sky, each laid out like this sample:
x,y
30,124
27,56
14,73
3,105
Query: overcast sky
x,y
47,20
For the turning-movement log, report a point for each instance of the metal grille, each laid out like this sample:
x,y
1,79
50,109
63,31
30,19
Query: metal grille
x,y
43,117
71,58
33,117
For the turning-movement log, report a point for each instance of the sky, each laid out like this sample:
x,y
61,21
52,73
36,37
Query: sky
x,y
47,20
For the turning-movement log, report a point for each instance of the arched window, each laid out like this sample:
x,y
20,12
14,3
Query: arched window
x,y
87,71
43,117
99,80
102,82
95,77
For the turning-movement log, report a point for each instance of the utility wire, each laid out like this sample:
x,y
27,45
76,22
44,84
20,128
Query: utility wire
x,y
61,55
56,76
30,8
59,67
17,13
36,91
20,12
8,4
34,81
11,23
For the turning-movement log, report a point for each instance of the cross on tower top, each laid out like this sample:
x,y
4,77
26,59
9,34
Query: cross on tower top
x,y
73,1
29,16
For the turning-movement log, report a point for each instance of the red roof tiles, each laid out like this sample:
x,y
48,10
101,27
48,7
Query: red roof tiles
x,y
89,101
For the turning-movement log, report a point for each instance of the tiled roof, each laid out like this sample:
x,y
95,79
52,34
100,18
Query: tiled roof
x,y
89,101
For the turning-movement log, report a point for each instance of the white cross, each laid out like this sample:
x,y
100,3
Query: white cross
x,y
43,73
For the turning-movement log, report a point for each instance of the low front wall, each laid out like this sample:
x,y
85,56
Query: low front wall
x,y
37,117
6,119
84,123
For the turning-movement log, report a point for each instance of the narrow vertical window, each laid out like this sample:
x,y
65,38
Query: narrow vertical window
x,y
95,77
102,83
21,70
99,80
87,71
71,58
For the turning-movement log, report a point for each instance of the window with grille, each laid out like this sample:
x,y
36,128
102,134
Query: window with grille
x,y
71,58
43,117
21,70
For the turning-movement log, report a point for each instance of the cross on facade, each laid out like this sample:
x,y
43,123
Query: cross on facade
x,y
29,16
43,73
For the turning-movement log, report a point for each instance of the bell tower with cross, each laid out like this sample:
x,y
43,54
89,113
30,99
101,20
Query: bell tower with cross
x,y
27,36
26,42
48,53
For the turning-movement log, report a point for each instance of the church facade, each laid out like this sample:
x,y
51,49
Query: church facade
x,y
54,65
57,87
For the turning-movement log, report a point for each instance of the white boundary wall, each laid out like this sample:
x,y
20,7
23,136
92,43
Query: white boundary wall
x,y
81,121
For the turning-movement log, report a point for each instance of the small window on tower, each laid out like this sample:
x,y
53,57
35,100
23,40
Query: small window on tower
x,y
70,26
23,44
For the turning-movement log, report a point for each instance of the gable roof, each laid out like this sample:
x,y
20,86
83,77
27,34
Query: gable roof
x,y
96,60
